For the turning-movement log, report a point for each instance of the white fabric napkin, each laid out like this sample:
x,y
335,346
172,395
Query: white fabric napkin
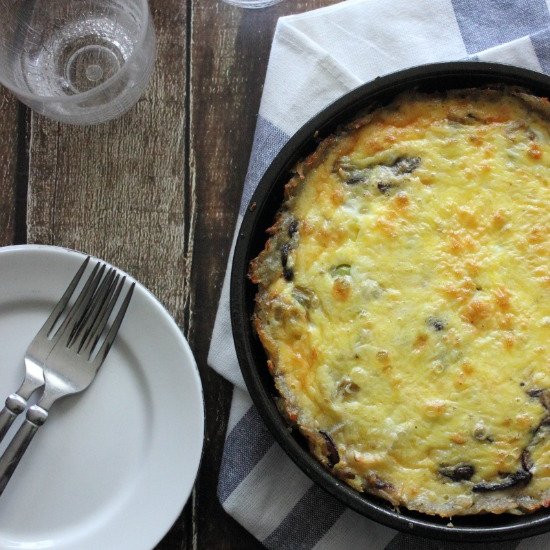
x,y
317,57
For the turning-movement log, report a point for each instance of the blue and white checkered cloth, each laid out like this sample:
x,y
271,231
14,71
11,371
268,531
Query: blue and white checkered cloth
x,y
317,57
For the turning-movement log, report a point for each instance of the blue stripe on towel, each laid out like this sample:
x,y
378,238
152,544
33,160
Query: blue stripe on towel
x,y
498,21
268,141
244,447
541,45
313,515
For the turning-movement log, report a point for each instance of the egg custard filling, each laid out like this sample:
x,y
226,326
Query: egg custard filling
x,y
403,302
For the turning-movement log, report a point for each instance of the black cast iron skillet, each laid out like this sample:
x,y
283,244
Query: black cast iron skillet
x,y
251,239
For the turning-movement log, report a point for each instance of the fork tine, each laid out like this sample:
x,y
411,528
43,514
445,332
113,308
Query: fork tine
x,y
79,308
101,294
82,309
113,331
62,304
101,302
101,320
103,317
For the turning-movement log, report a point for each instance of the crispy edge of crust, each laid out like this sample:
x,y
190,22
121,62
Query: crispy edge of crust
x,y
502,502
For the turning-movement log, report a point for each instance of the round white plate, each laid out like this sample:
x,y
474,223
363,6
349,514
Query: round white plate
x,y
113,466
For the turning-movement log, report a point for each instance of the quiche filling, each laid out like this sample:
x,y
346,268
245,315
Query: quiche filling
x,y
403,302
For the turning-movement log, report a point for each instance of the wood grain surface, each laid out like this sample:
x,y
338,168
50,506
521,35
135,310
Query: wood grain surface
x,y
11,185
116,190
156,192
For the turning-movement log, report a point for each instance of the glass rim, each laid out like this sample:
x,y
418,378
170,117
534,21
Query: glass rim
x,y
81,96
252,4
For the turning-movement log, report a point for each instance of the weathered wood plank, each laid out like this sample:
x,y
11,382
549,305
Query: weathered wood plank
x,y
116,189
229,54
11,186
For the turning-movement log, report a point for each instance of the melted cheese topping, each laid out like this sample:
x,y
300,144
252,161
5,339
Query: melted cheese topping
x,y
410,324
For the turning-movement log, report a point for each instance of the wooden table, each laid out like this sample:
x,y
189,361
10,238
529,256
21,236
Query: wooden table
x,y
156,193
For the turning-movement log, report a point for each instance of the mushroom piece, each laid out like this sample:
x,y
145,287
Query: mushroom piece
x,y
519,478
460,472
333,457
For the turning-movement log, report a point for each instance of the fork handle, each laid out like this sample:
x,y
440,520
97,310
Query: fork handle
x,y
14,406
36,416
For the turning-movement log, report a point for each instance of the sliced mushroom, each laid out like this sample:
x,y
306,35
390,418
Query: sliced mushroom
x,y
516,479
382,172
374,481
332,454
288,272
292,228
460,472
356,177
405,165
542,395
526,460
384,187
467,119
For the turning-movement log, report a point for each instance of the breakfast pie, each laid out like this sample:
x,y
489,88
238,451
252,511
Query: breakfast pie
x,y
403,302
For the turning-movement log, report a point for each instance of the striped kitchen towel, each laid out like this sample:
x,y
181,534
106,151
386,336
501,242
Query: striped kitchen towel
x,y
317,57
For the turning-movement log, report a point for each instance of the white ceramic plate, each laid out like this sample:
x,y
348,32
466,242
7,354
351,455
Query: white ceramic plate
x,y
113,466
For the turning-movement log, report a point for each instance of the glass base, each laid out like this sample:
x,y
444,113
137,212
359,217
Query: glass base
x,y
252,3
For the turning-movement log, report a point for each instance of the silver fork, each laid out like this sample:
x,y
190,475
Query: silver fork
x,y
74,361
36,355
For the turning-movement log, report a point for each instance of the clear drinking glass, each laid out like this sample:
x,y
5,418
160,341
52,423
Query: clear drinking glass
x,y
252,3
76,61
